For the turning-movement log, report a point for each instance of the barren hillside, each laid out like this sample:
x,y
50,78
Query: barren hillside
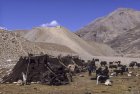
x,y
128,43
120,30
104,48
61,36
107,28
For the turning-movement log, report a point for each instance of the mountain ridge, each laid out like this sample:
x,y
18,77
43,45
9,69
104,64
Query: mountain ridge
x,y
108,27
115,30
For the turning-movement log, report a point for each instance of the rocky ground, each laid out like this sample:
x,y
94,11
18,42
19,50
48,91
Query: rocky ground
x,y
13,46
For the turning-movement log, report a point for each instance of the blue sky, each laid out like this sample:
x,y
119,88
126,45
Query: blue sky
x,y
72,14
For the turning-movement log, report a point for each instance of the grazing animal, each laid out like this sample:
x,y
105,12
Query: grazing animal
x,y
102,74
118,62
96,60
138,65
102,71
132,64
121,70
118,71
103,63
110,63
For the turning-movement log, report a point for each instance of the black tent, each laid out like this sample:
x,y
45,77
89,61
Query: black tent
x,y
44,68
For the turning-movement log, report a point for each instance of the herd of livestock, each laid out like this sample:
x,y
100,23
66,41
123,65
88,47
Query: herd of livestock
x,y
104,70
60,70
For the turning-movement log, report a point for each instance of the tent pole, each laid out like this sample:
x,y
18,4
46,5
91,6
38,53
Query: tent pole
x,y
27,70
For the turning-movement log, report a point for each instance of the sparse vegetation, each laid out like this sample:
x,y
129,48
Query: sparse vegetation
x,y
81,85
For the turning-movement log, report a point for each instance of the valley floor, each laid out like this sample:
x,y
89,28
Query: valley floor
x,y
80,85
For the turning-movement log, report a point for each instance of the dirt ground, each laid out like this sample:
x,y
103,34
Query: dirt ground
x,y
80,85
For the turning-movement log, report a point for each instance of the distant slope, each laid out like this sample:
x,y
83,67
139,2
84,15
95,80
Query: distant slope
x,y
103,48
120,30
128,43
107,28
61,36
50,47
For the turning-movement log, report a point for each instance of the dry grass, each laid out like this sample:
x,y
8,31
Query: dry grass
x,y
81,85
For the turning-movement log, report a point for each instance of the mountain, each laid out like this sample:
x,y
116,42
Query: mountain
x,y
107,28
61,36
120,30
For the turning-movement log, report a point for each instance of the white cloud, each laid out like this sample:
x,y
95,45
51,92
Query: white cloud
x,y
3,28
53,23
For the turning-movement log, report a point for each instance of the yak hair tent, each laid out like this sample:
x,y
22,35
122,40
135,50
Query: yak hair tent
x,y
44,69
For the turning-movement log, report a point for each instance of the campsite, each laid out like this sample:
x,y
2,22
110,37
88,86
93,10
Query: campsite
x,y
69,46
81,82
81,85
